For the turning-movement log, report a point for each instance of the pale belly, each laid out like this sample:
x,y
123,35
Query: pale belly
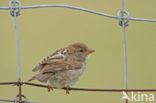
x,y
65,78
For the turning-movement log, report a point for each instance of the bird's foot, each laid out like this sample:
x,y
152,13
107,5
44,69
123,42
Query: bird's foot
x,y
49,88
67,90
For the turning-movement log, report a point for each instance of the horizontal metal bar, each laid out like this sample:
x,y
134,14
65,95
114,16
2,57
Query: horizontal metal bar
x,y
72,7
64,6
143,19
8,83
81,89
4,8
7,100
82,9
97,90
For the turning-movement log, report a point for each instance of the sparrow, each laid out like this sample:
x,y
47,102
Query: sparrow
x,y
64,67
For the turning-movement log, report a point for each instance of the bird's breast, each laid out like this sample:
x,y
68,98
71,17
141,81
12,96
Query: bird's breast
x,y
66,78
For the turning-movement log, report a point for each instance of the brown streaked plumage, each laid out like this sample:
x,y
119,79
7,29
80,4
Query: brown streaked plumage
x,y
64,67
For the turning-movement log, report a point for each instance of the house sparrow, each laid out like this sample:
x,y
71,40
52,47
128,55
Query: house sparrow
x,y
63,68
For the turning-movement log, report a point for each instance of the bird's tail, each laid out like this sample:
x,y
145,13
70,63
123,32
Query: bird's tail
x,y
32,78
40,77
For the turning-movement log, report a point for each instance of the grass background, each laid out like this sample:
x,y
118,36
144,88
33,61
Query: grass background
x,y
44,30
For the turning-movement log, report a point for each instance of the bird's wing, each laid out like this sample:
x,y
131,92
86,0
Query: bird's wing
x,y
50,69
57,65
49,59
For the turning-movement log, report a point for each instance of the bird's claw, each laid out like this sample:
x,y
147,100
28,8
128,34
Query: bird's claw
x,y
67,91
49,88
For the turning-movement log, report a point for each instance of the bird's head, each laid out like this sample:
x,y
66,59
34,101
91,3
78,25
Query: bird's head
x,y
80,50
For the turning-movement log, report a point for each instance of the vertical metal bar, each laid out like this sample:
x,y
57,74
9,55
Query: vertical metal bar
x,y
124,44
17,42
125,54
122,5
20,93
18,55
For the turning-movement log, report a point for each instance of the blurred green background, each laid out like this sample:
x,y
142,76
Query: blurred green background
x,y
44,30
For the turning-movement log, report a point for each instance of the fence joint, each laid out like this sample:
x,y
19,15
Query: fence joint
x,y
20,101
15,6
123,16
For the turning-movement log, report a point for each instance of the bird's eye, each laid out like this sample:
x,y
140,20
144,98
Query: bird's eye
x,y
81,50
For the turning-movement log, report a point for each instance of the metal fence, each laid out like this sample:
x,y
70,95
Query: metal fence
x,y
123,17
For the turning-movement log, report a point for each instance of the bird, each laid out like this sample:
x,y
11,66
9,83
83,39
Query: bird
x,y
64,67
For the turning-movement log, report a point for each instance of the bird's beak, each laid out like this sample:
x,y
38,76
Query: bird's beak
x,y
89,51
